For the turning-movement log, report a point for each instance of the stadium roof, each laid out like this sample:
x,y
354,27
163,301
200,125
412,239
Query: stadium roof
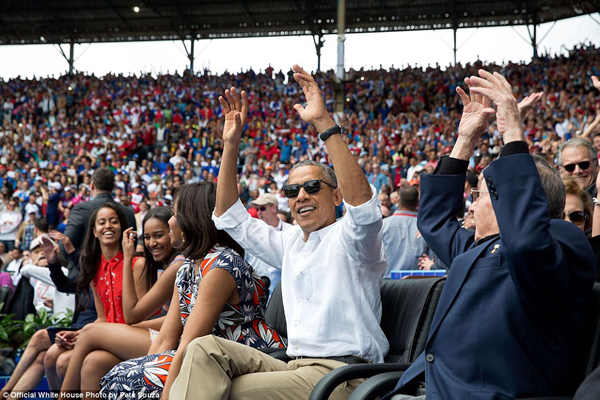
x,y
89,21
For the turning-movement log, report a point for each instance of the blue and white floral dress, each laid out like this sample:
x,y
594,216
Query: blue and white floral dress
x,y
244,323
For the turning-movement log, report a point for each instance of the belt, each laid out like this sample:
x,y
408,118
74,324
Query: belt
x,y
345,359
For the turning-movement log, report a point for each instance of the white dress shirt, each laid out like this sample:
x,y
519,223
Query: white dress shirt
x,y
264,269
330,283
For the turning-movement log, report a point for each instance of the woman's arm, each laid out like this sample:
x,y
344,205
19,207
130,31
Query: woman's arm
x,y
99,306
170,332
215,289
137,310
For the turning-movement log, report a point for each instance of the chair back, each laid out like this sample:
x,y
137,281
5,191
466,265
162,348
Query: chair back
x,y
274,315
408,308
587,350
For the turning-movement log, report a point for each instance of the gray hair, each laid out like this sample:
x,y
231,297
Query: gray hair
x,y
577,142
327,172
554,187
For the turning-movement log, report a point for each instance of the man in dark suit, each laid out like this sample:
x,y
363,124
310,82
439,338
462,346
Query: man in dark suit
x,y
517,289
103,183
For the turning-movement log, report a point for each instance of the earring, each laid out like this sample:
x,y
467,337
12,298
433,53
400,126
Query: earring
x,y
182,238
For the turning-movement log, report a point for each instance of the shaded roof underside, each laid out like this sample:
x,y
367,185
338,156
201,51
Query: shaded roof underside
x,y
85,21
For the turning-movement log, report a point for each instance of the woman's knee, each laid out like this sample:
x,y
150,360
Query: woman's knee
x,y
62,363
52,355
40,341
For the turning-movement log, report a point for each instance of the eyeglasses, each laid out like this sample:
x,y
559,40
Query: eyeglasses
x,y
475,193
311,187
583,165
577,217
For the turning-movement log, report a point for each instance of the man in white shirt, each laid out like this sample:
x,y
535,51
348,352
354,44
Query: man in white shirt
x,y
331,271
267,207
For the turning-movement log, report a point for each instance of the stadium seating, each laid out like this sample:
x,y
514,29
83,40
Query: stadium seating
x,y
408,308
587,358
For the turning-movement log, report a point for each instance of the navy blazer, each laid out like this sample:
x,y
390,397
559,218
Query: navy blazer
x,y
511,308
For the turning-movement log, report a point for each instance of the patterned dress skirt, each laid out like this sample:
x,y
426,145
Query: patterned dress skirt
x,y
139,378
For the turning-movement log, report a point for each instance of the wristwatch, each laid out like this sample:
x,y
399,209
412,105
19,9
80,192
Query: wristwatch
x,y
334,130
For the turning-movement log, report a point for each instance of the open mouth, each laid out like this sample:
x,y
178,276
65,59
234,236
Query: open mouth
x,y
306,209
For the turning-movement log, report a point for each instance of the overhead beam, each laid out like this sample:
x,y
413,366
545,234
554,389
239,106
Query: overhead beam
x,y
118,14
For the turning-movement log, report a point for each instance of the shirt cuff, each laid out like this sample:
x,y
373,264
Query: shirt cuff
x,y
366,213
451,166
517,147
234,216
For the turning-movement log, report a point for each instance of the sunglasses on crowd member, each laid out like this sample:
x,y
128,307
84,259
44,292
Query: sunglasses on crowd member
x,y
577,217
475,193
583,165
311,187
262,208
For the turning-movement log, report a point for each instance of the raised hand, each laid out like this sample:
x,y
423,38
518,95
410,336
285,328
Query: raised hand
x,y
528,102
129,240
314,112
476,112
235,110
50,250
596,82
496,88
64,239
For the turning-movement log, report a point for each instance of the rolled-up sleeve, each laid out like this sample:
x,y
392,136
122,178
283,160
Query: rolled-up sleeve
x,y
363,226
255,236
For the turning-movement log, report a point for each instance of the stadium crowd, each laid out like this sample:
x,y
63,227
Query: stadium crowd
x,y
153,143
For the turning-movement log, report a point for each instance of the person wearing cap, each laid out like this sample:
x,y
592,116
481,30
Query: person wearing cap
x,y
38,273
266,207
324,262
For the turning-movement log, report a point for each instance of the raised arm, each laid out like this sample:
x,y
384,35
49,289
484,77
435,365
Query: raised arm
x,y
138,308
235,109
352,180
473,122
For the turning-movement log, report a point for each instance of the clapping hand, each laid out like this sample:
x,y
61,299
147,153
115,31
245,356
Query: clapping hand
x,y
235,110
596,82
496,88
528,102
476,112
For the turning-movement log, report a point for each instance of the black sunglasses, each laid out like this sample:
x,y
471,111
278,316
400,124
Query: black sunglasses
x,y
582,165
311,187
577,217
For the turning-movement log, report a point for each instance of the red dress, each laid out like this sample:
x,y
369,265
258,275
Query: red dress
x,y
108,284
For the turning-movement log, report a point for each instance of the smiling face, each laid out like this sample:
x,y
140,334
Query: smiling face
x,y
572,156
157,240
483,213
174,231
313,211
107,227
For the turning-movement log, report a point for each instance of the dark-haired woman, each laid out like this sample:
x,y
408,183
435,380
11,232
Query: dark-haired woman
x,y
100,346
217,292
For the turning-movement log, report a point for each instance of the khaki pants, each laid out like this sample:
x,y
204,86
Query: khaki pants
x,y
219,369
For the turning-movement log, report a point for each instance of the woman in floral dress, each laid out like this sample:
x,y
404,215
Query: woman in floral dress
x,y
217,291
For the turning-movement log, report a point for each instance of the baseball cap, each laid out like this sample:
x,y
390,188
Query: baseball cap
x,y
265,199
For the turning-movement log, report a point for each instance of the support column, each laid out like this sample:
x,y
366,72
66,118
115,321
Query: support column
x,y
318,46
190,53
191,56
71,59
534,43
454,29
341,26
